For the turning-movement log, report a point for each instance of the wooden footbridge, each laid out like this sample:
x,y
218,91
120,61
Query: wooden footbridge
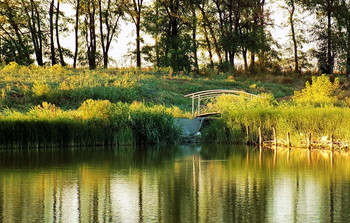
x,y
200,100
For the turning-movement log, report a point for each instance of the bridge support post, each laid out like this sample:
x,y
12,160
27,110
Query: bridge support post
x,y
199,105
192,105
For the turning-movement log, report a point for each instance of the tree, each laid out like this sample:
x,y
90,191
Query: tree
x,y
342,16
33,14
134,9
175,44
89,10
208,21
58,31
291,10
323,31
15,39
76,33
110,13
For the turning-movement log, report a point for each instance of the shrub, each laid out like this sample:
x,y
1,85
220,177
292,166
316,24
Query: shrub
x,y
96,109
40,88
320,92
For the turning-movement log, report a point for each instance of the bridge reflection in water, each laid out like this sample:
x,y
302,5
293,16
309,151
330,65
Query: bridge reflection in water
x,y
200,100
186,184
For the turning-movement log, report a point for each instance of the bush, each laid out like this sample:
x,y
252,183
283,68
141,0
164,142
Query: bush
x,y
320,92
40,89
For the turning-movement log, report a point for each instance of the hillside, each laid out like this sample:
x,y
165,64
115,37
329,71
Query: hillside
x,y
24,87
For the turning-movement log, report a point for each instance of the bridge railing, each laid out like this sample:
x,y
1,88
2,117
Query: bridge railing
x,y
198,97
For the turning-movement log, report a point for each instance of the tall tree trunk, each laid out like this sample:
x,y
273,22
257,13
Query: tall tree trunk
x,y
208,45
138,42
40,38
76,29
33,22
295,43
157,35
244,53
102,36
90,34
58,36
107,28
330,61
252,61
194,39
213,35
52,44
134,9
348,51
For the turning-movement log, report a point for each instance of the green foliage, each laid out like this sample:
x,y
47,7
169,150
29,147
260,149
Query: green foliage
x,y
97,122
24,86
321,122
96,109
40,89
227,102
320,92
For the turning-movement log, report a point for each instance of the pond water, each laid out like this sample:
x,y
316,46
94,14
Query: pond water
x,y
182,184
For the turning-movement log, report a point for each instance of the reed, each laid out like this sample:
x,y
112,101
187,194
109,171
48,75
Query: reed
x,y
295,121
96,122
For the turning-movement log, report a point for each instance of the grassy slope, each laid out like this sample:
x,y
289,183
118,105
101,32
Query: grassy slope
x,y
23,87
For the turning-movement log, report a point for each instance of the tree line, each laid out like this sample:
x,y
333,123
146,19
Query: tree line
x,y
226,33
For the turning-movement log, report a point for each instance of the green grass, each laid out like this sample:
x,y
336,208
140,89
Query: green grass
x,y
56,106
24,87
93,123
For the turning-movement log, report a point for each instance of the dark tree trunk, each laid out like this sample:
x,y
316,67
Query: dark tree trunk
x,y
330,60
138,43
106,26
76,29
52,44
295,43
208,45
35,31
212,33
91,35
194,39
244,53
348,52
252,61
58,36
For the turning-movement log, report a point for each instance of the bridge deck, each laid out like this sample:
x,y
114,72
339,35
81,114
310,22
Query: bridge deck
x,y
204,115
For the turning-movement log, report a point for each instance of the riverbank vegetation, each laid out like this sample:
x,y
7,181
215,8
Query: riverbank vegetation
x,y
319,113
95,122
57,106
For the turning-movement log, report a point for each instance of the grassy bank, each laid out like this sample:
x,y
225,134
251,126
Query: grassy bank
x,y
24,87
319,110
56,106
243,126
95,122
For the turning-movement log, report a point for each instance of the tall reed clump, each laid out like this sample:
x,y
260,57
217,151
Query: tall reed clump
x,y
315,110
239,116
297,121
96,122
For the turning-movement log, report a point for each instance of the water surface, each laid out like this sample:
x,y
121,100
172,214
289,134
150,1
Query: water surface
x,y
182,184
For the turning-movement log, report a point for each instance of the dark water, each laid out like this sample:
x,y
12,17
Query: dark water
x,y
184,184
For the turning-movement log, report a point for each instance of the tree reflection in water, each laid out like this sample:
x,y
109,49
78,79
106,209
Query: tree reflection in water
x,y
184,184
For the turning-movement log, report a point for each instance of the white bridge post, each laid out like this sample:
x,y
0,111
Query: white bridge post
x,y
192,105
199,105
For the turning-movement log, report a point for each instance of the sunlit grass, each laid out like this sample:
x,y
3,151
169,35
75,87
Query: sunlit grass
x,y
95,122
47,106
24,86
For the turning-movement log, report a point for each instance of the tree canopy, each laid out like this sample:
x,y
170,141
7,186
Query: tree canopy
x,y
216,34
